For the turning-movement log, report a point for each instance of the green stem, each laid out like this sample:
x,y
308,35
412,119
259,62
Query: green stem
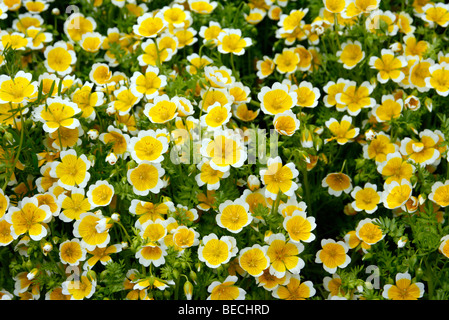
x,y
307,189
275,207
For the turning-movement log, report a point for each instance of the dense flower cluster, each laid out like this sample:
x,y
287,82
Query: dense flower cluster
x,y
199,149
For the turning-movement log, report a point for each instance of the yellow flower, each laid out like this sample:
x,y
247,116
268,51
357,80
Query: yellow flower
x,y
77,24
294,289
396,194
216,116
438,78
307,95
57,113
100,74
5,233
91,231
440,193
265,67
147,84
73,205
436,13
100,194
277,99
415,48
161,110
18,90
254,259
15,40
287,61
404,289
337,183
148,146
224,151
209,176
388,66
197,63
424,151
419,72
210,33
226,290
354,98
333,255
72,170
389,109
234,215
71,252
150,26
79,289
379,148
351,54
102,255
286,123
185,36
91,41
231,41
395,168
357,7
4,203
342,131
278,178
118,139
369,232
146,177
335,6
215,252
366,199
444,246
292,21
284,255
332,89
202,6
175,15
299,226
29,218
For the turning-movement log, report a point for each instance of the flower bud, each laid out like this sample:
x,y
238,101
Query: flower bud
x,y
188,290
93,134
111,158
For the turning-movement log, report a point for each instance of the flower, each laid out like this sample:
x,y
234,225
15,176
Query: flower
x,y
5,233
395,168
4,203
100,194
389,109
337,183
404,289
152,254
210,33
278,178
366,199
226,290
284,255
80,288
73,205
396,194
369,232
71,252
335,6
333,255
118,139
276,99
286,123
351,54
202,6
148,146
91,235
265,67
59,58
254,259
354,98
215,252
424,151
184,237
216,116
18,90
161,110
287,61
147,84
209,176
231,41
57,113
146,177
389,66
30,218
436,13
294,289
440,193
379,148
149,26
299,227
307,95
77,24
342,131
234,215
15,40
71,171
100,74
87,100
102,255
224,151
438,78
